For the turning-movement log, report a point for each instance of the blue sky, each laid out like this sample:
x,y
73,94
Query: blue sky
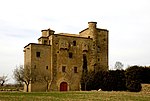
x,y
128,22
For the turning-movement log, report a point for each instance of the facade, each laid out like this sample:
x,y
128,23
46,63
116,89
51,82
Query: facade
x,y
59,57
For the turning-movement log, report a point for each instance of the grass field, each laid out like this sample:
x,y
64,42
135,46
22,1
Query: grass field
x,y
75,96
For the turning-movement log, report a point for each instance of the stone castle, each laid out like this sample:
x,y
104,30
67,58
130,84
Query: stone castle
x,y
59,57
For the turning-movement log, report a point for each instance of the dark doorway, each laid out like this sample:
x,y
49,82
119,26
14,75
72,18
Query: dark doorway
x,y
63,86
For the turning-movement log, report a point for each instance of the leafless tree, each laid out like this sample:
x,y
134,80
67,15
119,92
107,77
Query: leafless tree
x,y
44,76
3,79
118,65
24,74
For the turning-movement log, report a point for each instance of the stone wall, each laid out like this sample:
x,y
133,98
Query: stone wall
x,y
60,57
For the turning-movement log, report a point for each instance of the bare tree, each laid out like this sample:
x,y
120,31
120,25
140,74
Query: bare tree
x,y
44,76
118,65
24,74
3,79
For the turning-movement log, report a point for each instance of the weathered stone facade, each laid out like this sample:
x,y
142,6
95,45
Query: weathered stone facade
x,y
60,57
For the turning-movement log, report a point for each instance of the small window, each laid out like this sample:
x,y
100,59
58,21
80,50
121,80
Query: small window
x,y
37,54
88,36
75,70
98,59
74,43
46,67
63,68
98,49
34,66
45,41
70,55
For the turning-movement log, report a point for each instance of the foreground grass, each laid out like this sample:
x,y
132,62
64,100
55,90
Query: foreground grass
x,y
75,96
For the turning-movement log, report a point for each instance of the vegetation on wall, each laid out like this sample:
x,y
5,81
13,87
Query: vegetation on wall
x,y
84,77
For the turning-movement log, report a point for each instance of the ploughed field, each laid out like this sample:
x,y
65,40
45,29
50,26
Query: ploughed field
x,y
76,96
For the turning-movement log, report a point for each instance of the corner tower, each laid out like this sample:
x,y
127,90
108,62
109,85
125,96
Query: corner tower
x,y
99,46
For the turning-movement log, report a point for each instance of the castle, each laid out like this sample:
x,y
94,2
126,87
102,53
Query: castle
x,y
59,57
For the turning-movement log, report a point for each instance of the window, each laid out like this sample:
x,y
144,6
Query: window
x,y
45,41
70,55
88,36
46,67
98,49
75,70
34,66
63,68
74,43
37,54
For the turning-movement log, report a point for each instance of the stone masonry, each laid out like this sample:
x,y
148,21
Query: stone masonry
x,y
59,57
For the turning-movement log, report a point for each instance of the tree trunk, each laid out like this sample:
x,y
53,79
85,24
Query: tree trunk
x,y
85,86
2,84
27,87
47,86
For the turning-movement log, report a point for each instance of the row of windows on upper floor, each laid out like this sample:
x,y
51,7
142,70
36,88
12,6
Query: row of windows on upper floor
x,y
75,69
70,54
63,44
61,41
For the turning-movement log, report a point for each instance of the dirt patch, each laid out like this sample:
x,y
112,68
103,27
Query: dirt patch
x,y
145,87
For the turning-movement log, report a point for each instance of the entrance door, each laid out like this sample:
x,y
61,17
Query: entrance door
x,y
63,86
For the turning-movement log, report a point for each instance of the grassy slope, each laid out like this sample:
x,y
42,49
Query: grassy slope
x,y
75,96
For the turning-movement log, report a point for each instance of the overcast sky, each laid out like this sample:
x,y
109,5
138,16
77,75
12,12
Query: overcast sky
x,y
128,22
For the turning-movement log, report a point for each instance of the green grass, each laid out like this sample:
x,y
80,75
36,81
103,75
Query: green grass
x,y
75,96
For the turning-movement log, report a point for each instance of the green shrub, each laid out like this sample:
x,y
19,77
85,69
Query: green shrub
x,y
134,86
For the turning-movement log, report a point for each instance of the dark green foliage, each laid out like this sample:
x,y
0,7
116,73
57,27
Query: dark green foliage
x,y
108,81
133,78
98,79
133,73
134,86
114,80
90,78
145,75
139,73
118,80
84,77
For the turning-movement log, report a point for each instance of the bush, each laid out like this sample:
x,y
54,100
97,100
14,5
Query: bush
x,y
97,82
134,78
139,73
134,86
114,80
